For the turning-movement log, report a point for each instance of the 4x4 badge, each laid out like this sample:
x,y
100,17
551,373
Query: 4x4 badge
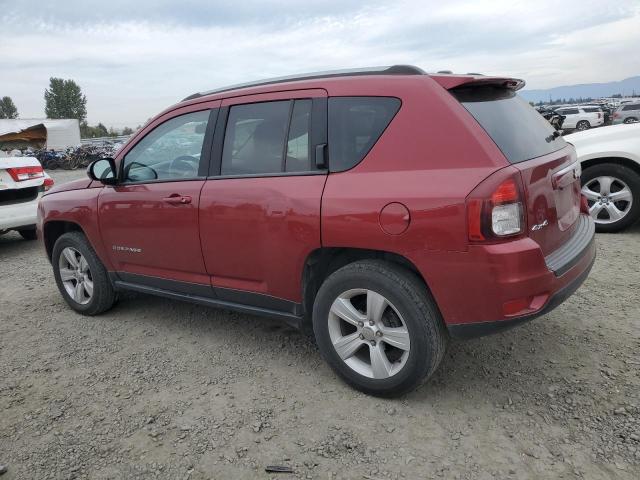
x,y
540,226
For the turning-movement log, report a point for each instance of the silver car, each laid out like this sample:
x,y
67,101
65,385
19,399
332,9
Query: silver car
x,y
627,113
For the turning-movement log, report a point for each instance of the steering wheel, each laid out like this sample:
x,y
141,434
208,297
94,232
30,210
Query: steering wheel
x,y
184,166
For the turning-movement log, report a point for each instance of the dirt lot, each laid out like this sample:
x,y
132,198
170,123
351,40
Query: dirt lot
x,y
162,389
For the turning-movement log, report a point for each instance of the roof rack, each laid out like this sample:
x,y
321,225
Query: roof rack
x,y
386,70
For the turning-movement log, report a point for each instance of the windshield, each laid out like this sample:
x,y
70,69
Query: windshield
x,y
516,127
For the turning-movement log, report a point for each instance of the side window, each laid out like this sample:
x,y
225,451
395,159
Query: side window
x,y
298,145
268,137
571,111
171,151
631,107
355,125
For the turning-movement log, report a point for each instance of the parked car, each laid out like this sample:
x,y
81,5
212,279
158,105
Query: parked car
x,y
580,117
610,158
627,113
22,183
594,108
384,210
555,119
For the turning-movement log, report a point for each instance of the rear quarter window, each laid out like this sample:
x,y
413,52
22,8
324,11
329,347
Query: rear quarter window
x,y
355,125
517,129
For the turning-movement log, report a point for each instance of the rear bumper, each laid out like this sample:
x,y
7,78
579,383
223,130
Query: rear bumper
x,y
473,330
493,287
19,214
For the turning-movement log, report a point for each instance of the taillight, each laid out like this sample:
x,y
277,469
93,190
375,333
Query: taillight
x,y
48,183
599,115
20,174
616,115
495,209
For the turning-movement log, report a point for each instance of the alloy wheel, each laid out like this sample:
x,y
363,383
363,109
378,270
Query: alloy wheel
x,y
610,199
75,275
368,333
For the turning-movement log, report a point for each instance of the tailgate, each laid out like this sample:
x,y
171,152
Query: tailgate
x,y
548,166
552,192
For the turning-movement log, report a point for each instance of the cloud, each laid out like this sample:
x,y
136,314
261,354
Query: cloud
x,y
132,59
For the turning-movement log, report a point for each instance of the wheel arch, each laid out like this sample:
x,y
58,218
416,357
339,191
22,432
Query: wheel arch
x,y
323,261
624,161
54,229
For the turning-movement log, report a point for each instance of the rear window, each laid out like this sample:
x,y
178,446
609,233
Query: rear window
x,y
517,129
355,125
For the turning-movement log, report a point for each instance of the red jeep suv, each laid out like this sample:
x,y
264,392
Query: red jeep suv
x,y
385,210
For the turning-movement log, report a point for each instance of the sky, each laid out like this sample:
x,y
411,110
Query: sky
x,y
133,58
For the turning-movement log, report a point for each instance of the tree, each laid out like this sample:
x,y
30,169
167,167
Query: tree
x,y
127,131
8,108
64,99
87,131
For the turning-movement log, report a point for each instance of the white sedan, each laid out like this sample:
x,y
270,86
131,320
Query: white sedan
x,y
22,181
610,158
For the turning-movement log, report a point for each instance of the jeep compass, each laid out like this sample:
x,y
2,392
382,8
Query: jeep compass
x,y
382,210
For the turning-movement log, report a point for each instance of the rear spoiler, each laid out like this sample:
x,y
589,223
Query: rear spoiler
x,y
455,81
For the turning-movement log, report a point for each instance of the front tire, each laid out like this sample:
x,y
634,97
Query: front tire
x,y
613,194
630,120
377,326
81,278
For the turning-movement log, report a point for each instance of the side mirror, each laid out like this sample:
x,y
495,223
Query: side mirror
x,y
103,170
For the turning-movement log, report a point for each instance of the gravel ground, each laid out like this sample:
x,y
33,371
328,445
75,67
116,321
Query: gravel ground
x,y
163,389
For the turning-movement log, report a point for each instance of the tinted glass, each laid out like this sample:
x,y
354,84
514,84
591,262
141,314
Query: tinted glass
x,y
171,151
515,127
591,109
355,125
631,107
298,146
255,138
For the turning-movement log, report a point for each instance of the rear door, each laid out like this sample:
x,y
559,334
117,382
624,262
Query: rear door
x,y
260,207
548,165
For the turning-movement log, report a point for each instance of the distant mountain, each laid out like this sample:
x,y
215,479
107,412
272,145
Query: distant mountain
x,y
628,86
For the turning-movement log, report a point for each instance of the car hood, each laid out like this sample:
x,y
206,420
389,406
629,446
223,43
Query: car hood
x,y
79,184
615,141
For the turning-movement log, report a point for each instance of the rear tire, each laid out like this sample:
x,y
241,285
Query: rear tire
x,y
75,262
630,120
583,125
408,317
28,233
622,176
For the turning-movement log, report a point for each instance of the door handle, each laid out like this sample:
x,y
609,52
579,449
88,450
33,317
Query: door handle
x,y
176,199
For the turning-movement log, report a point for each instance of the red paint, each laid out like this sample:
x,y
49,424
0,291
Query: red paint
x,y
408,196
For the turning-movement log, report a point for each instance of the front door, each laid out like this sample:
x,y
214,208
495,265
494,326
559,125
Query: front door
x,y
260,210
149,220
